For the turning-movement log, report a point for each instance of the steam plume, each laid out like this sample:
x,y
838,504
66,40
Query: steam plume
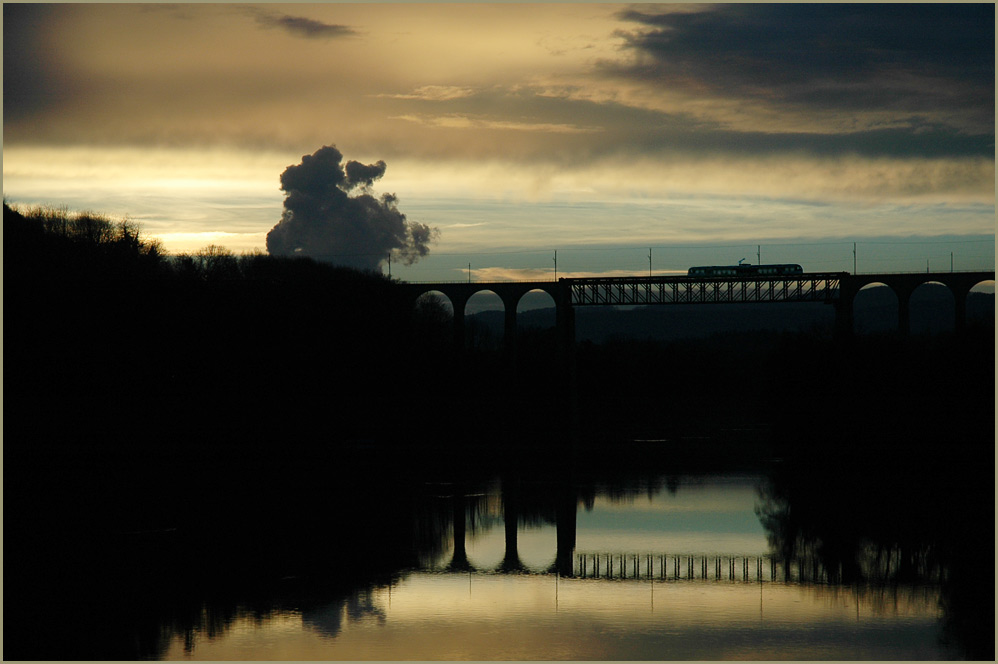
x,y
323,221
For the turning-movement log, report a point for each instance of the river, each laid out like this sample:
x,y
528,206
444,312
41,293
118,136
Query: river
x,y
377,560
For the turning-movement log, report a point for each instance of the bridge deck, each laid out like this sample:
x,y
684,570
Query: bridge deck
x,y
826,287
838,288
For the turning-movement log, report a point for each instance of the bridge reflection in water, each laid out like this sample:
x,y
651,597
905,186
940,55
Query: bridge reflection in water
x,y
692,567
868,566
699,567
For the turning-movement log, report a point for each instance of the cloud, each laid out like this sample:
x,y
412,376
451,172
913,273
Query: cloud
x,y
323,221
434,93
299,26
363,176
660,110
31,80
467,225
459,121
496,273
879,63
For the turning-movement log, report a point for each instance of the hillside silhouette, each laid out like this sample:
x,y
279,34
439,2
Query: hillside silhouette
x,y
112,342
109,340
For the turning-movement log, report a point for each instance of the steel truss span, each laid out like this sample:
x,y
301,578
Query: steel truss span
x,y
748,568
667,567
811,287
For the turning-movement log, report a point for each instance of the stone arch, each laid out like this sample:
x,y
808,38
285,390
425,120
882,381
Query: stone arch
x,y
483,299
535,300
485,329
932,308
432,318
537,546
876,307
431,295
979,303
531,330
510,293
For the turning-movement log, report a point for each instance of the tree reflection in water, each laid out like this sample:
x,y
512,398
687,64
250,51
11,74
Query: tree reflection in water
x,y
894,518
894,523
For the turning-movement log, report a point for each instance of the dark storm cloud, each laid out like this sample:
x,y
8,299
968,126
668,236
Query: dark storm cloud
x,y
323,221
925,140
32,81
300,26
633,131
911,58
360,175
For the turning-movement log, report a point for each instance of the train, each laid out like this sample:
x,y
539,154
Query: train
x,y
746,270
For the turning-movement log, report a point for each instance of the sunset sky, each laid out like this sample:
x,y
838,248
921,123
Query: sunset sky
x,y
699,133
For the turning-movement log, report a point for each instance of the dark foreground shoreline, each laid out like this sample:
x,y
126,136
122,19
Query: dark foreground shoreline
x,y
177,441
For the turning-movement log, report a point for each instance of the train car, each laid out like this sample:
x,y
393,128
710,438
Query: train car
x,y
746,270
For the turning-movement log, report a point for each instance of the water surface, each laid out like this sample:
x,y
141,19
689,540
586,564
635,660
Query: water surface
x,y
684,571
368,558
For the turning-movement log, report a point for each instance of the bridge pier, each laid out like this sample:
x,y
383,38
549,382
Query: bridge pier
x,y
511,516
459,561
565,330
904,310
565,525
509,331
458,303
960,307
844,323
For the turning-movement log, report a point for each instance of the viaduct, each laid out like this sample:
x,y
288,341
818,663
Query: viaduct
x,y
835,288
